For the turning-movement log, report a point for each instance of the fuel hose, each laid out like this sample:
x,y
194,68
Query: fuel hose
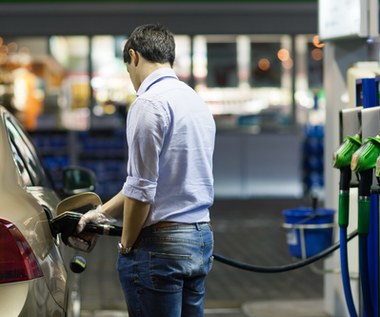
x,y
281,268
343,220
345,272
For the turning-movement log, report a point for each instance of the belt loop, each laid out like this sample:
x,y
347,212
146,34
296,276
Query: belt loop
x,y
197,225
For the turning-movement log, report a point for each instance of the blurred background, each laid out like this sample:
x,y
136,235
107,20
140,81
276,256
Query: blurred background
x,y
259,66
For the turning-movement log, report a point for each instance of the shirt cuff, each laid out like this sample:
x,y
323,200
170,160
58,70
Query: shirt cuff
x,y
140,189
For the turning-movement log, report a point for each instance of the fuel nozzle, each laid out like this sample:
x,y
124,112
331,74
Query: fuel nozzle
x,y
363,162
342,156
366,156
342,160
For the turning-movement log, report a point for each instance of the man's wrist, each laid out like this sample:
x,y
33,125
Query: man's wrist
x,y
122,249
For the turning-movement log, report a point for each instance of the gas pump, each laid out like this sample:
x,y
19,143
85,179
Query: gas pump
x,y
363,163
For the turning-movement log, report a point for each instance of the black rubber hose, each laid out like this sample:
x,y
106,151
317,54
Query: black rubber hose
x,y
281,268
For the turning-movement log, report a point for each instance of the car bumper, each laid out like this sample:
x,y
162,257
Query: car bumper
x,y
28,299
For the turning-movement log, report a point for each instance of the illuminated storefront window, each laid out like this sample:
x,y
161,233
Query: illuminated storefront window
x,y
245,75
112,88
182,63
240,77
72,53
309,94
222,65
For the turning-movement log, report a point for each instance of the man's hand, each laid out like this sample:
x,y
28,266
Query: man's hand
x,y
94,215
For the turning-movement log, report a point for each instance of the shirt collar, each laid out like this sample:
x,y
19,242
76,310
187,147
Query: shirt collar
x,y
154,77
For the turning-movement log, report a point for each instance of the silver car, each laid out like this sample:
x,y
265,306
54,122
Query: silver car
x,y
34,275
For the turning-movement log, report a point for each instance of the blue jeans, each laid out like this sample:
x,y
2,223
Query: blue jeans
x,y
164,274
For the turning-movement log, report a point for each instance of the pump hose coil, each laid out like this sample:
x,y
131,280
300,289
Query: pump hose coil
x,y
282,268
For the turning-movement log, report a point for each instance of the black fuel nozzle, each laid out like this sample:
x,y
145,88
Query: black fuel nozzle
x,y
66,225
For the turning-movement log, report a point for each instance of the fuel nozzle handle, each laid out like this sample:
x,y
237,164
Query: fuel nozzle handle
x,y
103,229
343,155
66,224
342,161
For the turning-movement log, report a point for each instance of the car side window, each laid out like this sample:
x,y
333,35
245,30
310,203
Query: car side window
x,y
21,166
26,159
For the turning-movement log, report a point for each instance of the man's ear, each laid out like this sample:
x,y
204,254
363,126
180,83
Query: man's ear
x,y
134,56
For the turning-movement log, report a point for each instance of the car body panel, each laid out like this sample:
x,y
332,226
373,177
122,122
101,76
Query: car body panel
x,y
30,298
13,302
29,209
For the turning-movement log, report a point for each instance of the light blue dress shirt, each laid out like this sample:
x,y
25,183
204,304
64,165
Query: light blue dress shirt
x,y
171,136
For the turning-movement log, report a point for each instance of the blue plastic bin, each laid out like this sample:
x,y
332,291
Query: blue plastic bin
x,y
310,231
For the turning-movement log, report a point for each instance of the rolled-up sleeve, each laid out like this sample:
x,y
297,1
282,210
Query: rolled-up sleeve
x,y
146,126
140,189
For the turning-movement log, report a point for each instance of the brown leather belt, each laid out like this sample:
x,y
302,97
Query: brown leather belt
x,y
165,224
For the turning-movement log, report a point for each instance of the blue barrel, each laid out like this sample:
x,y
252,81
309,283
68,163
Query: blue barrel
x,y
309,231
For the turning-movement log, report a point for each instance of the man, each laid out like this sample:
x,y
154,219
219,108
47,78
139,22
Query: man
x,y
167,243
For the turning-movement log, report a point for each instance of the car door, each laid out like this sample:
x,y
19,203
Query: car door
x,y
39,186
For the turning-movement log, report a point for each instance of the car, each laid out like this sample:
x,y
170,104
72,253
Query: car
x,y
35,279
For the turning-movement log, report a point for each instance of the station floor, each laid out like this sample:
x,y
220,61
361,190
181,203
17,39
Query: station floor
x,y
246,230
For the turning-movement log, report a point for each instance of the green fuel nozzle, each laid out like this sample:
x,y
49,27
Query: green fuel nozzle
x,y
366,156
343,155
342,160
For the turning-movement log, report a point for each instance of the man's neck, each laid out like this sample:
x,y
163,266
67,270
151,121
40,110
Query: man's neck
x,y
152,67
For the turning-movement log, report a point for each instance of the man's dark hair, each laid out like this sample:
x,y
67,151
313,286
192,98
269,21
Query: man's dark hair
x,y
153,41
